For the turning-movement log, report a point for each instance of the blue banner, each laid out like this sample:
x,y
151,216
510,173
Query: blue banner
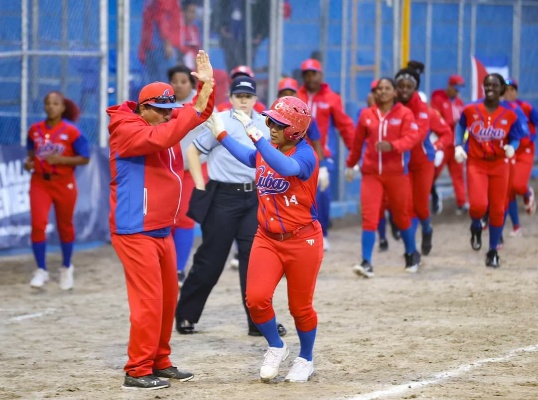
x,y
91,211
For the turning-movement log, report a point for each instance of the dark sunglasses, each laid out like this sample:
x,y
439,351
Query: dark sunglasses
x,y
161,99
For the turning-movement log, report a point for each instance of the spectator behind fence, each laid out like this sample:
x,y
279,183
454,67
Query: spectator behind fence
x,y
55,147
189,37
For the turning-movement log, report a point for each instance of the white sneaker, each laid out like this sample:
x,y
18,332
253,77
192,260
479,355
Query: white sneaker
x,y
271,362
40,277
326,244
301,370
67,280
516,233
234,262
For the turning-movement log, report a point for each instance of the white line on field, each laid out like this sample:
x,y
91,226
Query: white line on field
x,y
399,389
30,316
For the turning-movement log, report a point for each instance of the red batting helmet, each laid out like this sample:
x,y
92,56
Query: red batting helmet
x,y
241,70
291,112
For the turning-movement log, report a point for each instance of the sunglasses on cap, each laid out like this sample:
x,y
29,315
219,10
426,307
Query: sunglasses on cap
x,y
161,99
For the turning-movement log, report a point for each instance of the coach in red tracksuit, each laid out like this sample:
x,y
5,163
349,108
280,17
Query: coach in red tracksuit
x,y
450,106
326,107
145,193
385,133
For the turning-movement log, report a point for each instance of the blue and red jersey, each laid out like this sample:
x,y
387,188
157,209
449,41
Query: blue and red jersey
x,y
489,132
64,139
532,120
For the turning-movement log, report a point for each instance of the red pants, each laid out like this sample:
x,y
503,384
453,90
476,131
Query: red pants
x,y
520,172
487,184
298,258
455,169
421,181
373,190
182,221
150,273
60,191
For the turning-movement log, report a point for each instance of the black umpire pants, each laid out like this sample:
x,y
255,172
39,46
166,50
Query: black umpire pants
x,y
232,215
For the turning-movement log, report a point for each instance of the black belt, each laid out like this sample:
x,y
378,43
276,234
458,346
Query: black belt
x,y
236,187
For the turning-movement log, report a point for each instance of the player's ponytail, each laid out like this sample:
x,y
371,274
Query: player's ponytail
x,y
71,112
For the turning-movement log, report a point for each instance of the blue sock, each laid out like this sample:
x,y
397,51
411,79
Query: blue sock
x,y
408,237
270,332
368,241
514,215
382,229
307,343
476,224
183,239
426,225
67,252
495,233
39,254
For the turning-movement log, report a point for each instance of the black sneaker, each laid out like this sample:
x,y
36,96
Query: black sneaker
x,y
426,246
173,373
412,262
476,239
383,245
394,229
365,269
254,331
185,327
147,382
492,259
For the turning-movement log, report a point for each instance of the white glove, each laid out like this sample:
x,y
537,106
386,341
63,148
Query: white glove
x,y
252,131
439,156
323,178
509,150
215,125
350,174
460,154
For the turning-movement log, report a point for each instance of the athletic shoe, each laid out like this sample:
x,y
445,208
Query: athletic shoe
x,y
40,277
173,373
185,327
492,259
67,280
394,230
383,245
300,371
426,245
326,244
476,239
462,210
516,232
365,269
530,202
234,262
437,202
254,331
147,382
485,221
271,361
412,262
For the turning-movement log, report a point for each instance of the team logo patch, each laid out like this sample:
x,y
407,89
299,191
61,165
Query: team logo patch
x,y
323,105
166,92
504,122
395,121
423,115
63,136
414,126
268,184
310,241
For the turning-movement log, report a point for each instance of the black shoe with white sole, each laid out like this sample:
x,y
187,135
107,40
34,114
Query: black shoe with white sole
x,y
147,382
476,239
173,373
383,245
492,259
365,269
426,246
412,262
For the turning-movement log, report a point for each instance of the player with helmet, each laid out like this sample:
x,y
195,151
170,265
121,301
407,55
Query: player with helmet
x,y
494,135
289,240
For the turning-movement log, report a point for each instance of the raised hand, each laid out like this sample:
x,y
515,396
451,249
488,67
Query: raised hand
x,y
204,69
215,125
252,132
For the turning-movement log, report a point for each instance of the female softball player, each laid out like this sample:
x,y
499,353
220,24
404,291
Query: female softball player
x,y
55,147
494,134
385,133
289,240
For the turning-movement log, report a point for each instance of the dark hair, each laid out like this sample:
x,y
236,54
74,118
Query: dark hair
x,y
71,112
416,65
411,73
182,69
388,79
500,78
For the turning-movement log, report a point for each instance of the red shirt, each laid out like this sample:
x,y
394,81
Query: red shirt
x,y
450,109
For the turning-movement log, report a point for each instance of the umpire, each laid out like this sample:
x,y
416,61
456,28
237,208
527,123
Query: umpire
x,y
225,208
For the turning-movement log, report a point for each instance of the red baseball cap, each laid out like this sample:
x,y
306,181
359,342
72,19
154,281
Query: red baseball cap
x,y
241,70
158,94
373,85
288,84
456,80
311,65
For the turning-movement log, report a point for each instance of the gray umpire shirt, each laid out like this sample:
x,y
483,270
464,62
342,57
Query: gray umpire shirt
x,y
222,166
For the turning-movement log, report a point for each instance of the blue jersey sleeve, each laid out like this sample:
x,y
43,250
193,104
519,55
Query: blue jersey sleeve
x,y
30,144
460,130
81,146
313,131
241,152
534,116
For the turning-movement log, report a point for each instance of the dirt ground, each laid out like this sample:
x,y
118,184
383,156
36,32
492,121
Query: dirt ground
x,y
455,330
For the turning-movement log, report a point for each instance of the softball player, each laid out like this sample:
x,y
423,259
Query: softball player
x,y
55,147
289,240
385,133
494,135
522,162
